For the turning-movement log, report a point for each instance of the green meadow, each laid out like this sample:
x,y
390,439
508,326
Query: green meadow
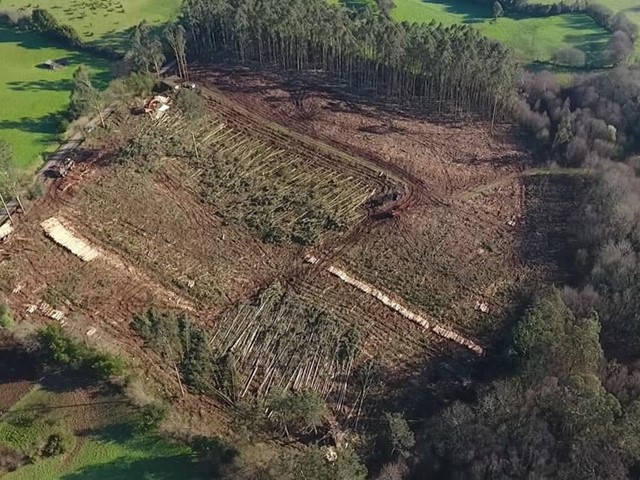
x,y
532,39
32,98
631,8
101,444
105,22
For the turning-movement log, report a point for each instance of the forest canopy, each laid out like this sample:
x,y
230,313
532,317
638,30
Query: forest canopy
x,y
450,67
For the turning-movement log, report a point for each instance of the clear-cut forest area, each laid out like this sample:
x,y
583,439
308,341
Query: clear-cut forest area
x,y
268,239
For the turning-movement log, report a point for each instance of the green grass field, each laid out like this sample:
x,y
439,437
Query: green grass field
x,y
103,21
533,39
32,97
631,8
109,451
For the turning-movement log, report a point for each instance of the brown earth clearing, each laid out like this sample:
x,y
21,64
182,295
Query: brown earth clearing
x,y
215,216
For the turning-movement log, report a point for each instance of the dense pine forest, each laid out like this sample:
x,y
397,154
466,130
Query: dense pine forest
x,y
447,67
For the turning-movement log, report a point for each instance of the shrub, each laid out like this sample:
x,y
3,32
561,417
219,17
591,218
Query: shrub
x,y
6,321
190,103
295,412
106,365
47,24
212,451
60,350
150,416
571,57
17,19
397,435
176,338
10,459
57,444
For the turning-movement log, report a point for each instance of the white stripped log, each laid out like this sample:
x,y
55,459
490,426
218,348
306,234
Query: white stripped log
x,y
402,310
64,237
5,230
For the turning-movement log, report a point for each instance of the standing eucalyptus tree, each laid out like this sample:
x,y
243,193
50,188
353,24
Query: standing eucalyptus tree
x,y
443,67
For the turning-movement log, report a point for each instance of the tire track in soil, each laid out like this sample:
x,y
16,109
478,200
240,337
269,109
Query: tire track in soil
x,y
328,152
415,189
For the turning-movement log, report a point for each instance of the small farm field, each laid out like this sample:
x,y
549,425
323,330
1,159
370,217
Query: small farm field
x,y
33,97
533,39
101,441
104,22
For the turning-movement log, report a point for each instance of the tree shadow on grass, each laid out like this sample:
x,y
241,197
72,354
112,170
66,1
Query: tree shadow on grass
x,y
17,364
64,85
73,58
113,433
471,12
28,40
592,42
120,39
116,39
175,467
47,125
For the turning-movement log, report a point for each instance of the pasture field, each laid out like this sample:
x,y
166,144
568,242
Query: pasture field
x,y
533,39
102,444
33,97
105,22
630,8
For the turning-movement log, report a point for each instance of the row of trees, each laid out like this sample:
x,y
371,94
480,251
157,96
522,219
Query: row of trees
x,y
429,63
147,52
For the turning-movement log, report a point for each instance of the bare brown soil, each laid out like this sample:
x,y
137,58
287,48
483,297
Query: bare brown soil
x,y
11,392
446,157
449,239
457,244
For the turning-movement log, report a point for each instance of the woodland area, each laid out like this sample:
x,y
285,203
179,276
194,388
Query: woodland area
x,y
447,68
